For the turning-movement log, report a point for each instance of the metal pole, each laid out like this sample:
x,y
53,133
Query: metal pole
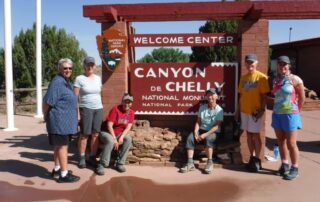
x,y
8,65
290,33
39,59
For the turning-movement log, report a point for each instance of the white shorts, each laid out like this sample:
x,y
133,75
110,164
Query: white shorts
x,y
250,124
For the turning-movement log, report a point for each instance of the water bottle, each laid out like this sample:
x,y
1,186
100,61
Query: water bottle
x,y
276,152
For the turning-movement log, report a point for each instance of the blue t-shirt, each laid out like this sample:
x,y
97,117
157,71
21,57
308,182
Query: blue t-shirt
x,y
210,117
90,91
63,112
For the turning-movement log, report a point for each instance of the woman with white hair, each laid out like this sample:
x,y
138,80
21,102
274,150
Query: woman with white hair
x,y
60,115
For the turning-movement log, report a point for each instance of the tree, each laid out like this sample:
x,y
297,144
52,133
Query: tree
x,y
165,55
56,44
216,53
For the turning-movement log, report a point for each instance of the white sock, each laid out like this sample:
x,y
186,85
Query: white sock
x,y
56,167
64,173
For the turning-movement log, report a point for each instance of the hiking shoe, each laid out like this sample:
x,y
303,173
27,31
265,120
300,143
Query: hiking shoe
x,y
82,162
293,174
254,164
209,168
100,169
283,170
188,167
68,178
92,161
120,168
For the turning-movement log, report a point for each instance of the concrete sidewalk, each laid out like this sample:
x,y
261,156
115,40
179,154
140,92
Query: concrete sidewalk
x,y
26,163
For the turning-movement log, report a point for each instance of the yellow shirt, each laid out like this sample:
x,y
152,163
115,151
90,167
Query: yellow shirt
x,y
251,87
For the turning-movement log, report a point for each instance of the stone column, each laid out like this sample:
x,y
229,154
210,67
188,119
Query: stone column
x,y
254,39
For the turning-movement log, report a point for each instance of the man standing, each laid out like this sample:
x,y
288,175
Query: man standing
x,y
253,88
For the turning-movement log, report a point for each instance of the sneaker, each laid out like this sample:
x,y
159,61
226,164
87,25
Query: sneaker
x,y
283,170
100,169
293,174
188,167
120,168
254,164
82,162
56,174
68,178
209,168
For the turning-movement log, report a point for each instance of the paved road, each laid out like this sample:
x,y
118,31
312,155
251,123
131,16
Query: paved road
x,y
25,162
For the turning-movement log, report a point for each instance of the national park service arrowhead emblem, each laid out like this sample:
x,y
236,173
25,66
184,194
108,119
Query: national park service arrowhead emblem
x,y
112,46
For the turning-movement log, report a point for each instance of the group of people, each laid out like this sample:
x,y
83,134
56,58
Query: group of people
x,y
66,105
253,87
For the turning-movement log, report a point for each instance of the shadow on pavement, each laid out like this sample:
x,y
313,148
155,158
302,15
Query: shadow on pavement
x,y
33,141
306,146
24,169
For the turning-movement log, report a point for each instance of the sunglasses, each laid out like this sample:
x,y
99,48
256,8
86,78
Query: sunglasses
x,y
67,68
282,64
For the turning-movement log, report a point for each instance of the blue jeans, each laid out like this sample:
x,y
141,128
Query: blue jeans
x,y
122,154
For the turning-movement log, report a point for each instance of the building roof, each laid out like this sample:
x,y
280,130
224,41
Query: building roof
x,y
299,43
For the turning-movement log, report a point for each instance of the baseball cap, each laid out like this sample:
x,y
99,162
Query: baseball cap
x,y
251,57
89,60
284,59
211,90
127,97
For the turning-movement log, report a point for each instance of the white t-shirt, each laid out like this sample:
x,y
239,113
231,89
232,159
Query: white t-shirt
x,y
90,91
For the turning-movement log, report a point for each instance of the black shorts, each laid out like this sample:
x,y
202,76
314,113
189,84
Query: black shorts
x,y
59,140
91,120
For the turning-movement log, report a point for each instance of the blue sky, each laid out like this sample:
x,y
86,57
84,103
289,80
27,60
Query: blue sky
x,y
67,14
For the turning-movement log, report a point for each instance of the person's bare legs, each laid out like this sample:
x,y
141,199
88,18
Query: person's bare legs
x,y
94,144
62,156
250,143
292,146
256,139
282,143
82,143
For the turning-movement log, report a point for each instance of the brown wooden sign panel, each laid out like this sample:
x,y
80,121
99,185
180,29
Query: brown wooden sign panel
x,y
205,39
178,88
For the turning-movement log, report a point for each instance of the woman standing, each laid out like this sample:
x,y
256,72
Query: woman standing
x,y
289,98
60,115
90,114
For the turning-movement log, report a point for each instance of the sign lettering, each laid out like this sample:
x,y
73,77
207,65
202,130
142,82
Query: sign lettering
x,y
179,88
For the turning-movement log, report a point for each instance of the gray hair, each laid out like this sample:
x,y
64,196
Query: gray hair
x,y
63,61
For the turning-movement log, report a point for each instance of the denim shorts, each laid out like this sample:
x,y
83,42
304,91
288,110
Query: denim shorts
x,y
286,122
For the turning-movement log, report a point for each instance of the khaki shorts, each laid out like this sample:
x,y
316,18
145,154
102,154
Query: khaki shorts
x,y
250,123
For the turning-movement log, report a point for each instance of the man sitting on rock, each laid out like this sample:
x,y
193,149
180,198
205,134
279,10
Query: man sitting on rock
x,y
207,127
120,120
